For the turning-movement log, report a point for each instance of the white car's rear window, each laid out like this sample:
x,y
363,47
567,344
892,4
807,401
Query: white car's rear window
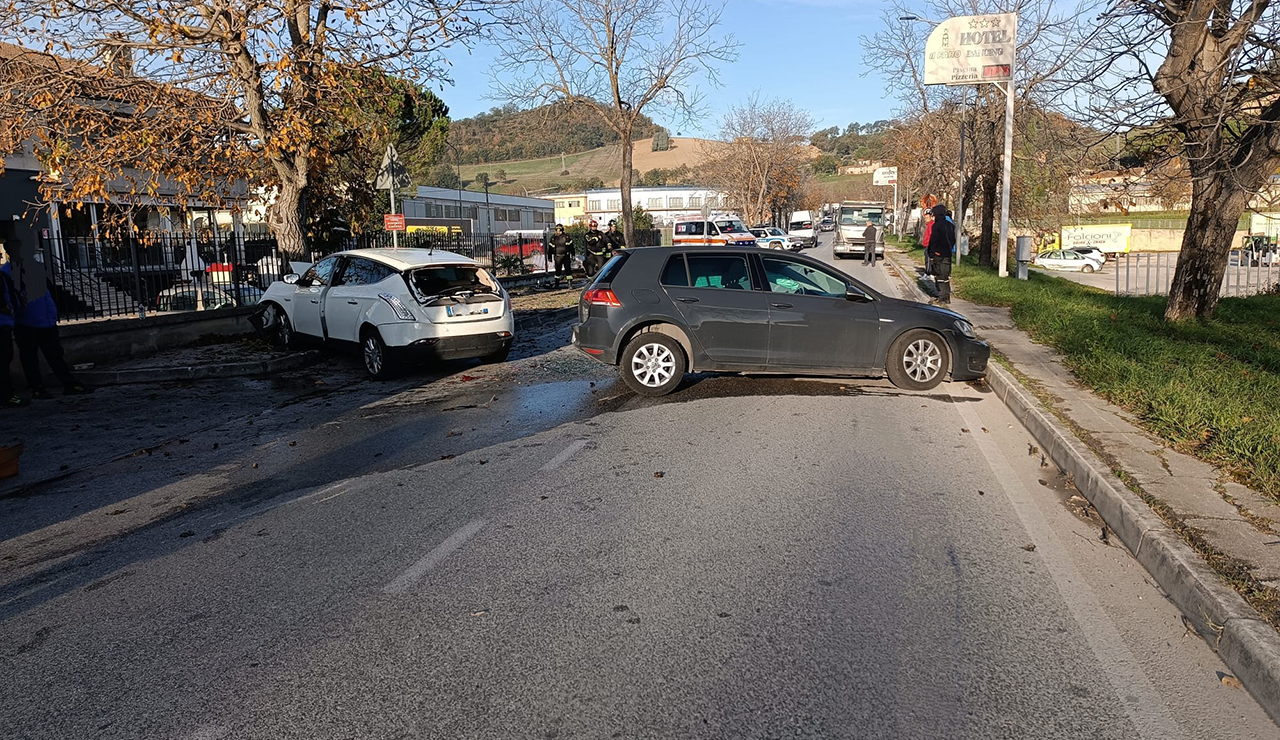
x,y
443,280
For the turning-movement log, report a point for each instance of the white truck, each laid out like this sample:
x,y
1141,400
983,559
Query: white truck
x,y
852,223
800,229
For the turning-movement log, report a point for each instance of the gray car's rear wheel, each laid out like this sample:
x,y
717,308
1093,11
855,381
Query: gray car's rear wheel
x,y
653,364
918,360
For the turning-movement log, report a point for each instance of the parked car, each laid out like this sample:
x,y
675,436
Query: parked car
x,y
396,305
771,237
206,298
1092,253
1066,259
658,313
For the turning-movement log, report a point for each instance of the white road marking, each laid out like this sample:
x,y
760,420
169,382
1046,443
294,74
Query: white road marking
x,y
1133,689
564,455
334,495
415,572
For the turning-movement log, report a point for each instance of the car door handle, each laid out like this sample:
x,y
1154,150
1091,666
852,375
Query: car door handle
x,y
353,303
687,300
313,300
781,305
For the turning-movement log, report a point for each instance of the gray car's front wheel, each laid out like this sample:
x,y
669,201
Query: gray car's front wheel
x,y
918,360
653,364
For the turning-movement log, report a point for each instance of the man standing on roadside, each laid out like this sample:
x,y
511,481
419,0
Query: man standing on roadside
x,y
595,250
942,243
869,244
8,307
562,249
924,242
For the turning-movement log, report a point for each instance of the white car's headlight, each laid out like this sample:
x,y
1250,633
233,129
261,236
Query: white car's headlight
x,y
402,311
965,328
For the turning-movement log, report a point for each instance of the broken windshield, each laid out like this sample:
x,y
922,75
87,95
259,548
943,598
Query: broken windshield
x,y
447,280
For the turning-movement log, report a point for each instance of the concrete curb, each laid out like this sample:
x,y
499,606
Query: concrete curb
x,y
1245,642
290,361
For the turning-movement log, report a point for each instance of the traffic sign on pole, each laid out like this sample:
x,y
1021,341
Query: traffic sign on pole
x,y
393,221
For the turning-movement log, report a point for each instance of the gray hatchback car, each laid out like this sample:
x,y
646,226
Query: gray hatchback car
x,y
660,312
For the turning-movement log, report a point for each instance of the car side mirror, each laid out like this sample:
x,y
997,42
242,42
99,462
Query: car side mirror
x,y
853,294
292,278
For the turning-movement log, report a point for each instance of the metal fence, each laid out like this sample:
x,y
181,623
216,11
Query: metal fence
x,y
1249,272
101,276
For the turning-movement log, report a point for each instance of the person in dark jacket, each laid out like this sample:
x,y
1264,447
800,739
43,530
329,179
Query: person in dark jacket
x,y
596,247
8,307
36,331
562,251
615,239
869,244
942,243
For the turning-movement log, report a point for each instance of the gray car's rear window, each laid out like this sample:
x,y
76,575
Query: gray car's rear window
x,y
675,273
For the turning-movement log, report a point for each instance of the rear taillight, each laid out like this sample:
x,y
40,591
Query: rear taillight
x,y
601,297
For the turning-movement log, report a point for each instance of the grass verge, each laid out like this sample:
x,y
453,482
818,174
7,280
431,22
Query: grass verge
x,y
1210,388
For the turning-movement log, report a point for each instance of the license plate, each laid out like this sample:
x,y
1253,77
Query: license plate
x,y
464,311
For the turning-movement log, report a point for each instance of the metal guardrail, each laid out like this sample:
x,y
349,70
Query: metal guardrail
x,y
1249,272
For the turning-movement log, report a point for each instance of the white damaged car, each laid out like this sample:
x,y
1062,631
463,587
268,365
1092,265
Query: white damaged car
x,y
396,305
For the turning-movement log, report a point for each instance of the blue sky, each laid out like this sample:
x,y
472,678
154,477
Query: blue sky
x,y
806,51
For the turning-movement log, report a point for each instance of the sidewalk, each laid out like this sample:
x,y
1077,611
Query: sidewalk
x,y
1161,503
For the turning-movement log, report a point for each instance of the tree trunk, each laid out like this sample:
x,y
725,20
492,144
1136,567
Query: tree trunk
x,y
285,220
990,183
1216,206
628,217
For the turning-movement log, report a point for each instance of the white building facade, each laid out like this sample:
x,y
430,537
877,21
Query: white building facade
x,y
487,213
666,203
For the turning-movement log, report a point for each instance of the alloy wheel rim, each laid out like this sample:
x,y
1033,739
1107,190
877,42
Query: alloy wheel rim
x,y
372,356
653,365
282,326
922,360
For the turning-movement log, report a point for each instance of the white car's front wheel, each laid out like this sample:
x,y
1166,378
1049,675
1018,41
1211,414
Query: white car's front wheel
x,y
279,329
1087,269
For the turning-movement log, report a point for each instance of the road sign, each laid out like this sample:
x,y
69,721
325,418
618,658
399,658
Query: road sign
x,y
885,176
393,222
970,49
392,172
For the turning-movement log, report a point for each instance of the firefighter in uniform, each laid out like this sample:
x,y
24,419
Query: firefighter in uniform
x,y
616,240
562,249
596,248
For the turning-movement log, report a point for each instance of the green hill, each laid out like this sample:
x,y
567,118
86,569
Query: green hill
x,y
508,133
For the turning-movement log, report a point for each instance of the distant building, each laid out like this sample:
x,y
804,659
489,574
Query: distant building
x,y
476,213
861,167
1129,191
571,208
666,203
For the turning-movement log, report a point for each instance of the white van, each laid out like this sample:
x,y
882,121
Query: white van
x,y
801,229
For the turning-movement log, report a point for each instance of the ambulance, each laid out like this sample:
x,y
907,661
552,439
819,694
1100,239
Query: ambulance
x,y
719,229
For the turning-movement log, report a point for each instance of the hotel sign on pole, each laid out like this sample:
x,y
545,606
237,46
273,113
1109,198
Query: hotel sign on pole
x,y
970,49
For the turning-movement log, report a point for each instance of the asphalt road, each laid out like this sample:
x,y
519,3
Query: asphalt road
x,y
514,552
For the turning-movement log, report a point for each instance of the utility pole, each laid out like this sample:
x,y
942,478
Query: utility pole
x,y
1003,268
